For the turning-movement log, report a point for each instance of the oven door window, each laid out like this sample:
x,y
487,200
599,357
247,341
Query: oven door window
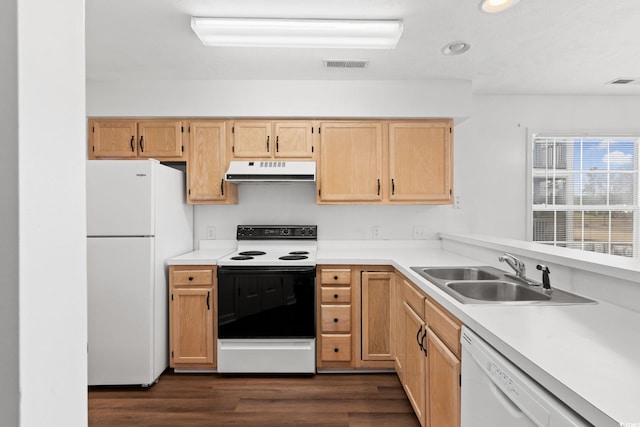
x,y
266,303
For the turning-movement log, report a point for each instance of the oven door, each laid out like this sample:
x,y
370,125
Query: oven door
x,y
266,320
266,302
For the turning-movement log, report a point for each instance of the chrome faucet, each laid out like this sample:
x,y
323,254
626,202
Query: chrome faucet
x,y
517,265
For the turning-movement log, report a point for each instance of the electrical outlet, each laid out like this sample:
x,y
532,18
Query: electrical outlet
x,y
419,232
376,232
211,233
457,202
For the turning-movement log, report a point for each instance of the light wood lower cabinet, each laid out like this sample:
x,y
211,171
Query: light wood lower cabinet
x,y
428,357
443,399
335,336
192,316
378,316
415,366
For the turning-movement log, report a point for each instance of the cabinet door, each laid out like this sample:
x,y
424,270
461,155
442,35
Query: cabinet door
x,y
113,139
252,139
420,164
377,316
207,162
160,139
192,313
415,367
444,384
400,329
293,139
350,162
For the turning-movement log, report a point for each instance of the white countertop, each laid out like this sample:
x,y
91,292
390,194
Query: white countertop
x,y
587,355
209,253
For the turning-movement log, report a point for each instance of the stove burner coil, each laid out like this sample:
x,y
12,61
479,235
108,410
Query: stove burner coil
x,y
241,258
292,257
298,253
252,253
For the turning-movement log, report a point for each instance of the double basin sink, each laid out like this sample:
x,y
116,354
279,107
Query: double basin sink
x,y
488,285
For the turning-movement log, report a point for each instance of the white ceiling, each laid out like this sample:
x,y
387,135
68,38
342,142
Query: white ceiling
x,y
538,47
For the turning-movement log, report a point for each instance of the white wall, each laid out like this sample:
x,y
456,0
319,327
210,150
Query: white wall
x,y
52,233
9,337
491,149
280,98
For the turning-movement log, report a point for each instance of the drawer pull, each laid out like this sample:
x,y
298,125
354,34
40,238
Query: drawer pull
x,y
335,350
335,296
335,320
335,277
190,278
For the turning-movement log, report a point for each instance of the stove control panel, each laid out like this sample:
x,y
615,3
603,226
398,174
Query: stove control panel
x,y
268,232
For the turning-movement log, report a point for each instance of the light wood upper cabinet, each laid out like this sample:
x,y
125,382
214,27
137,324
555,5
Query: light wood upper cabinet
x,y
350,167
142,139
159,139
420,165
207,164
113,139
378,315
252,139
294,139
268,139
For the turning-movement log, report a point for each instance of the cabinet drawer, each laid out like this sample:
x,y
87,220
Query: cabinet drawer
x,y
336,348
336,277
336,295
336,318
445,326
192,277
414,298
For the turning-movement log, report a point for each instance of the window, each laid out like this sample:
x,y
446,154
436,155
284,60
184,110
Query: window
x,y
585,193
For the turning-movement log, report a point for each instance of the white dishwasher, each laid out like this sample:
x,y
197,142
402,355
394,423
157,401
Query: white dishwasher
x,y
497,393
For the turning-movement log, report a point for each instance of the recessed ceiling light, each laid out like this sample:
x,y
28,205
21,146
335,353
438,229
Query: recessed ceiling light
x,y
494,6
456,48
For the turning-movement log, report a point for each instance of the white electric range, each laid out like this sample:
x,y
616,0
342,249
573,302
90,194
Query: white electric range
x,y
266,301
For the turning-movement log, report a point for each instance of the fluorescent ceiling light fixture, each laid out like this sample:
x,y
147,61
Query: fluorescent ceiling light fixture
x,y
494,6
301,33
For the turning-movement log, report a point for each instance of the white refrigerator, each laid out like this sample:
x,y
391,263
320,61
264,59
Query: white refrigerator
x,y
137,218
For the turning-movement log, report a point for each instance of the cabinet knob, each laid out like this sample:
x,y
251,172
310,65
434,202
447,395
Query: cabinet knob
x,y
335,277
335,296
190,278
335,320
335,350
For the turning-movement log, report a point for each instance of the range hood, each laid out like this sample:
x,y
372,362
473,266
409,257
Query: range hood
x,y
271,171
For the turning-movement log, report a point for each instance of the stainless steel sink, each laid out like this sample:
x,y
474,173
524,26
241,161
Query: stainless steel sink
x,y
497,291
489,285
460,273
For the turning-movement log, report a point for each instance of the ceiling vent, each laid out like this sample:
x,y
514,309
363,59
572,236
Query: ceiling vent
x,y
625,81
346,63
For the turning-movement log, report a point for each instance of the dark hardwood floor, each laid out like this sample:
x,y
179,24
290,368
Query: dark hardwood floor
x,y
330,400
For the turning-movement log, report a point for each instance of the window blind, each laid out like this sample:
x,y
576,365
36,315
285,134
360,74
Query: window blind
x,y
585,193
